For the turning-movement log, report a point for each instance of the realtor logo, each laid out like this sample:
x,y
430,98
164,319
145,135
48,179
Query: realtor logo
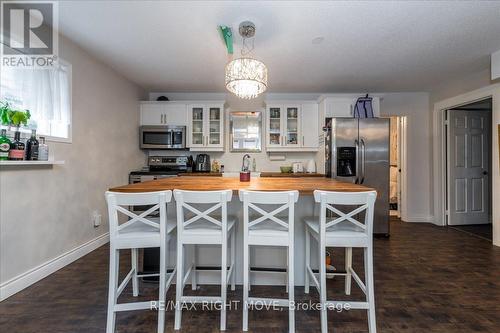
x,y
29,33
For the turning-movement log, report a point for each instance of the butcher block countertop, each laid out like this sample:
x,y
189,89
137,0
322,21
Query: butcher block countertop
x,y
305,185
290,174
200,174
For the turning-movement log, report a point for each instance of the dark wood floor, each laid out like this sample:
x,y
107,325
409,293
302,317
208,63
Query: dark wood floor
x,y
428,279
479,230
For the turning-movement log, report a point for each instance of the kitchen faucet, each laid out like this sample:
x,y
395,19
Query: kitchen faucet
x,y
245,166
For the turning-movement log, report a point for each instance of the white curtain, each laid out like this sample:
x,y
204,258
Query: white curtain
x,y
45,92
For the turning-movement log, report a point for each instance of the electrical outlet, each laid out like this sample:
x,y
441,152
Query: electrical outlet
x,y
96,219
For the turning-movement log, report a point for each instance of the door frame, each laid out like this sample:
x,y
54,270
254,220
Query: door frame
x,y
439,143
402,165
402,150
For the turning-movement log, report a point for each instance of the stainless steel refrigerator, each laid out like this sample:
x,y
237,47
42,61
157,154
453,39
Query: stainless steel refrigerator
x,y
357,151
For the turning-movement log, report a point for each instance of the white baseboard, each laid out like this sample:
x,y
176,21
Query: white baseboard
x,y
419,218
30,277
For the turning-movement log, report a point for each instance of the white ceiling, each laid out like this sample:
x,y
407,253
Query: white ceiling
x,y
368,46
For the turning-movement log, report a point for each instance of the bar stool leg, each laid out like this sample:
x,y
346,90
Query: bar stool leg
x,y
114,259
161,308
370,295
246,282
223,285
233,259
179,285
308,262
291,290
287,269
193,270
135,279
322,282
348,268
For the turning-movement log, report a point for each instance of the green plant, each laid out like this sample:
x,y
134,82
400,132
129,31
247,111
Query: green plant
x,y
10,116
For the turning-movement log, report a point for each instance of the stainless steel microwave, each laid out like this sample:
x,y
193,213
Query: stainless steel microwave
x,y
163,137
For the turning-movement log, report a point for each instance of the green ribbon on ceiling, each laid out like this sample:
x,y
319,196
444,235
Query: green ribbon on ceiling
x,y
227,35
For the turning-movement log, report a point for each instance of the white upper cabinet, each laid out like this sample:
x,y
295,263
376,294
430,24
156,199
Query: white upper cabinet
x,y
292,126
163,113
310,124
206,126
343,106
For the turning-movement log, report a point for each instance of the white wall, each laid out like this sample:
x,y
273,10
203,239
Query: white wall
x,y
47,212
496,167
415,106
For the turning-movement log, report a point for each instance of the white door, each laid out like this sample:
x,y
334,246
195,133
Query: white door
x,y
468,167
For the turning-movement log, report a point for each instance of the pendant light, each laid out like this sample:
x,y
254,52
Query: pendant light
x,y
246,77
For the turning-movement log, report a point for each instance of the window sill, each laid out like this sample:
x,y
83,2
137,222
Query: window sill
x,y
33,163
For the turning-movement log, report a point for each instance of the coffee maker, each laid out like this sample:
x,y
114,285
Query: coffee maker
x,y
202,163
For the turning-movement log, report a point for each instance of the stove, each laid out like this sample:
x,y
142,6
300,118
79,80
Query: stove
x,y
160,167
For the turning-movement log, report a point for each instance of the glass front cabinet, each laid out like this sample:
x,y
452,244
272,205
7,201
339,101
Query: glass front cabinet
x,y
206,127
283,126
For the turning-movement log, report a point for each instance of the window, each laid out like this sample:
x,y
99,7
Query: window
x,y
46,93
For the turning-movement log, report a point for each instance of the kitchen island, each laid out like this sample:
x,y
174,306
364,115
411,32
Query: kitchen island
x,y
262,257
305,185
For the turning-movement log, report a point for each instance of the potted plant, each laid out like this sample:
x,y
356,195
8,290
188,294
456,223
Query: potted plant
x,y
12,117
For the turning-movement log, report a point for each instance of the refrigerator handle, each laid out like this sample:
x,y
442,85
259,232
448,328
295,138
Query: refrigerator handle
x,y
356,142
363,151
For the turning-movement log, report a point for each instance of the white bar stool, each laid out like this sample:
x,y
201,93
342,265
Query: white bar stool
x,y
268,230
203,227
343,230
140,231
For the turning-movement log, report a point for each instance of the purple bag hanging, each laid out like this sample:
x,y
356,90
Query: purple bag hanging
x,y
363,108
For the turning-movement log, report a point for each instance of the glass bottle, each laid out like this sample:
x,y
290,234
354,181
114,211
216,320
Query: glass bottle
x,y
17,147
32,147
43,150
4,145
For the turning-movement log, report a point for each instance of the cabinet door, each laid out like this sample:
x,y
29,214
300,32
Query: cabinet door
x,y
153,114
339,107
274,131
175,114
310,125
197,116
215,127
292,125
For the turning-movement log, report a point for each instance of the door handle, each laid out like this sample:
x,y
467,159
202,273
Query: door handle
x,y
363,152
485,172
356,142
161,118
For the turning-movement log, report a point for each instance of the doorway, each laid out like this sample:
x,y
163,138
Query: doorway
x,y
468,167
397,162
